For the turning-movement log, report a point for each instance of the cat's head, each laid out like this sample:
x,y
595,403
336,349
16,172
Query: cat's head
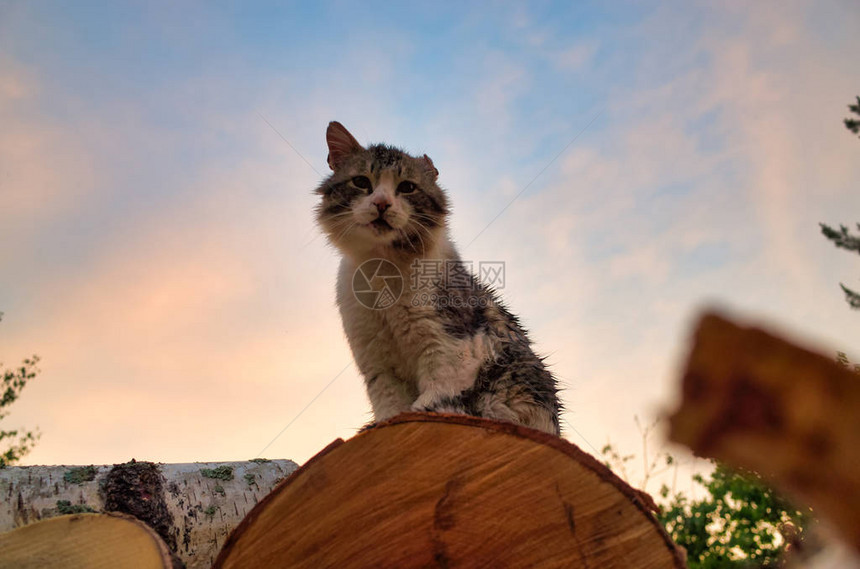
x,y
379,201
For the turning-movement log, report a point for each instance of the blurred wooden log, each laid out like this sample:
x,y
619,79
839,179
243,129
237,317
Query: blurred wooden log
x,y
84,541
758,402
192,506
450,491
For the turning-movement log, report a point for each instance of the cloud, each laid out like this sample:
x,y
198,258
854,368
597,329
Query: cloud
x,y
170,276
203,302
502,80
44,169
15,83
204,313
703,187
576,57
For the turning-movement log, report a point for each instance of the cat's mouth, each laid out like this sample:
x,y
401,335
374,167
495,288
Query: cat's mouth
x,y
380,225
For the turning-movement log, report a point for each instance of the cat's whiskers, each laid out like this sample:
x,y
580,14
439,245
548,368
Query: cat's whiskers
x,y
409,239
422,227
420,239
347,227
406,238
329,216
428,218
317,236
340,214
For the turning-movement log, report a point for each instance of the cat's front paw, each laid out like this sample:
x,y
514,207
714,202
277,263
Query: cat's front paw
x,y
436,403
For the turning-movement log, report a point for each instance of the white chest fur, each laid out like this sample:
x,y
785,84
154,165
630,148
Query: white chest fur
x,y
407,358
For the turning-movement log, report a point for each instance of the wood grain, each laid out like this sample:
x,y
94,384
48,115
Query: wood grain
x,y
450,491
84,541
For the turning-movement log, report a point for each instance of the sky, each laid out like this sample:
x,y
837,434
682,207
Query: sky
x,y
630,163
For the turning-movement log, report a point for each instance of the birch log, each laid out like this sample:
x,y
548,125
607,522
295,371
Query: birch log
x,y
192,506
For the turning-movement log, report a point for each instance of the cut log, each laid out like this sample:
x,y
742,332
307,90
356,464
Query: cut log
x,y
84,541
451,491
758,402
193,507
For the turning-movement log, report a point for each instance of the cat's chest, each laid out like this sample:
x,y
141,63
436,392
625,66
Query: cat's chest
x,y
397,331
389,337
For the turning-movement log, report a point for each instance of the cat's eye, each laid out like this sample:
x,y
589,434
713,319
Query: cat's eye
x,y
406,188
362,182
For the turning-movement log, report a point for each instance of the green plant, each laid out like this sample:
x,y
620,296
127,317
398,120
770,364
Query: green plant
x,y
17,442
735,525
842,238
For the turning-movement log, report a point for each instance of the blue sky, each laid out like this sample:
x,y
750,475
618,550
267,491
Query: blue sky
x,y
158,249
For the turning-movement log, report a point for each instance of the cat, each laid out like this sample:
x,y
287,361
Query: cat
x,y
448,349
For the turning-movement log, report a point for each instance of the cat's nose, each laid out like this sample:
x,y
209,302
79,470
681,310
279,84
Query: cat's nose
x,y
381,206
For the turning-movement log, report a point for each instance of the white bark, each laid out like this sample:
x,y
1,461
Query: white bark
x,y
203,510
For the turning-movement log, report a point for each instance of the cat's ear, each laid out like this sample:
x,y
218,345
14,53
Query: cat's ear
x,y
340,144
429,167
